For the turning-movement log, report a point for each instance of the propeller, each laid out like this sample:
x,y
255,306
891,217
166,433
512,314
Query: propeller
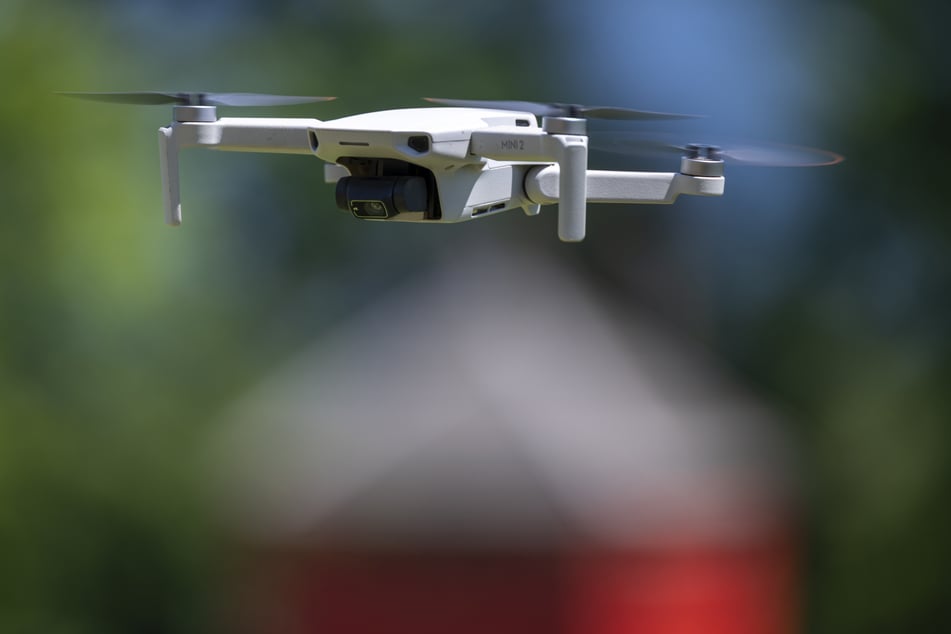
x,y
152,98
739,153
563,109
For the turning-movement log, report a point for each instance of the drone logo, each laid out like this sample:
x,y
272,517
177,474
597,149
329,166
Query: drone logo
x,y
517,145
455,162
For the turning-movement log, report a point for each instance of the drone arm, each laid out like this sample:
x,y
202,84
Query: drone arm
x,y
573,186
268,135
281,136
570,151
168,163
249,134
543,186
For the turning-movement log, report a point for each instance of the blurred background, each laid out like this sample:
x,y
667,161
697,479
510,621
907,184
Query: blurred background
x,y
131,352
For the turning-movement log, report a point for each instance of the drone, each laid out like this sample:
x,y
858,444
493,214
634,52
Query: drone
x,y
453,161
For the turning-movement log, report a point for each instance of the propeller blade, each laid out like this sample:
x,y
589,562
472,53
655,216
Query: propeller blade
x,y
563,109
780,156
739,153
627,114
152,98
257,99
136,98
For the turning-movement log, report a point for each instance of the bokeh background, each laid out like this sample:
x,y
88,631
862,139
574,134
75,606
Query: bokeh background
x,y
825,292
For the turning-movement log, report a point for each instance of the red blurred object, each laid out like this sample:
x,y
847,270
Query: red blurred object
x,y
712,589
689,590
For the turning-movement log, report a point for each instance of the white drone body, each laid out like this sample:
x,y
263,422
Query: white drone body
x,y
440,164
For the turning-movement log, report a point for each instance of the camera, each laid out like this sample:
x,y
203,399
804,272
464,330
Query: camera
x,y
382,197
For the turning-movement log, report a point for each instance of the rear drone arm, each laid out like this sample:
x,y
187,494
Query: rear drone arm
x,y
282,136
569,183
542,186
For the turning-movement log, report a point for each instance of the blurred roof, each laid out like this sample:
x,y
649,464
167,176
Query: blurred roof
x,y
496,399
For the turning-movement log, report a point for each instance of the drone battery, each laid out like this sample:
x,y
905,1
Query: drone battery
x,y
382,197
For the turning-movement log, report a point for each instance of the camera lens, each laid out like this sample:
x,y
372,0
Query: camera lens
x,y
379,197
369,208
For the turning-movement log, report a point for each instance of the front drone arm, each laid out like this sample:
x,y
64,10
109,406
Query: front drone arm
x,y
281,136
561,140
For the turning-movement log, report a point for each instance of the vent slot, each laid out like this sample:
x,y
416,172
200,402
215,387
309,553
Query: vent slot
x,y
487,210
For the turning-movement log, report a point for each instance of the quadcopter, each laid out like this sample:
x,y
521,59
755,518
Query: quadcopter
x,y
455,161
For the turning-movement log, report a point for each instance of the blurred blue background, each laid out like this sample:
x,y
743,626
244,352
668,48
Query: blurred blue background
x,y
825,291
